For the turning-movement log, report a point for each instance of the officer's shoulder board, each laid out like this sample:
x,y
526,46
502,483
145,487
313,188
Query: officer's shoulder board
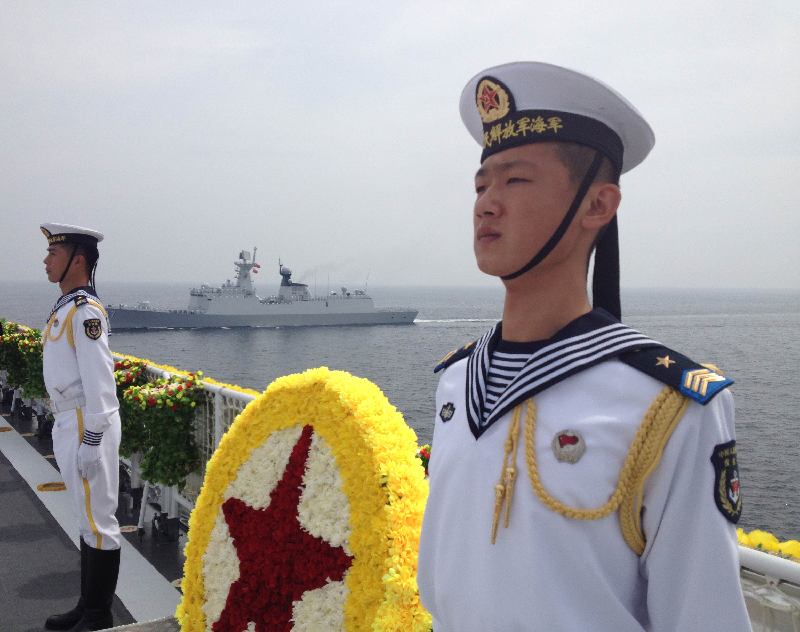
x,y
92,326
88,299
454,356
700,382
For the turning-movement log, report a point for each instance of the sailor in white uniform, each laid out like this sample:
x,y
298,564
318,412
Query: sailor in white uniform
x,y
582,476
79,376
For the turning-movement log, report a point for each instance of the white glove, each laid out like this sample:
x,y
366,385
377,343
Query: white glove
x,y
89,454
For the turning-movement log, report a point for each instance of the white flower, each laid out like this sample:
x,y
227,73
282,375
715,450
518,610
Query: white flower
x,y
321,610
323,509
220,569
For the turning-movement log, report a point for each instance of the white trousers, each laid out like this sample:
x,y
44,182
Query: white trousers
x,y
95,498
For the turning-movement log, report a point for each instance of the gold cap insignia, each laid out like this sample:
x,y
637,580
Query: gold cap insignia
x,y
492,100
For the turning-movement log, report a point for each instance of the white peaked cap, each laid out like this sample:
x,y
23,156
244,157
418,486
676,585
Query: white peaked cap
x,y
526,102
71,234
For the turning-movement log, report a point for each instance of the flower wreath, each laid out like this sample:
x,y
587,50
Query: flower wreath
x,y
309,516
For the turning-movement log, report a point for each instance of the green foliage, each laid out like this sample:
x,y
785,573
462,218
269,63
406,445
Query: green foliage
x,y
160,422
21,357
127,374
157,417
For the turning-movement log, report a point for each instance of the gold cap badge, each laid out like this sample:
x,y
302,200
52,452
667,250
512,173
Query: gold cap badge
x,y
492,101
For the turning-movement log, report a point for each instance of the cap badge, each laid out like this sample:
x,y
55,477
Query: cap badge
x,y
446,413
568,446
492,100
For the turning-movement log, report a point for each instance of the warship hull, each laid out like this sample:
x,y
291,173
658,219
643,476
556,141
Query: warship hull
x,y
128,318
237,305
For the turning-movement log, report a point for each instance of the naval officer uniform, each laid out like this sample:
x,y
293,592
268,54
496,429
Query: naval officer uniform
x,y
588,481
79,377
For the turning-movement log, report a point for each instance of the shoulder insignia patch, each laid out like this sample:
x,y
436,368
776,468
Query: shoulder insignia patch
x,y
726,481
695,381
92,328
81,300
447,411
454,356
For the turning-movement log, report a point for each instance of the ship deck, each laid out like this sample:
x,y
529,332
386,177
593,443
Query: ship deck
x,y
39,556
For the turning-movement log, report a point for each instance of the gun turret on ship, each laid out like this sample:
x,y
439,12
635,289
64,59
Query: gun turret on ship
x,y
236,304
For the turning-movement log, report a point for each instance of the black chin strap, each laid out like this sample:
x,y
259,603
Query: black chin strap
x,y
591,174
605,281
69,263
91,276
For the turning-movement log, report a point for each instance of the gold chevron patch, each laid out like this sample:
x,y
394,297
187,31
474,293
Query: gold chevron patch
x,y
698,380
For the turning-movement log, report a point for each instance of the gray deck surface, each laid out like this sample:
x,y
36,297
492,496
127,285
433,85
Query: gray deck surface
x,y
39,565
169,624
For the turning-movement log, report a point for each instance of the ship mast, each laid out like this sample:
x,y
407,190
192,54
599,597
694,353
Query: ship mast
x,y
243,267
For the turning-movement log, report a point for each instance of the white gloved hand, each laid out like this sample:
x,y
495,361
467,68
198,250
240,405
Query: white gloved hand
x,y
89,454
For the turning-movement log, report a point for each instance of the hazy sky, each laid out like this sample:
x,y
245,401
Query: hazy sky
x,y
327,134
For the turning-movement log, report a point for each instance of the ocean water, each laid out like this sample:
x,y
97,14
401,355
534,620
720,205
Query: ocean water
x,y
753,335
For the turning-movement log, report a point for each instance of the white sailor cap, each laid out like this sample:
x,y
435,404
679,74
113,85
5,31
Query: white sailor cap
x,y
527,102
70,234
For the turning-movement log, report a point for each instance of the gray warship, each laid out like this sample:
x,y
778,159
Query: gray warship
x,y
236,304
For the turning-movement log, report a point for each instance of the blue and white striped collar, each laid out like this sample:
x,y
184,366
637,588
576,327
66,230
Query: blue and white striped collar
x,y
586,341
86,291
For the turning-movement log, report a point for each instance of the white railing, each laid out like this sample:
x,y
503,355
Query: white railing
x,y
212,418
771,585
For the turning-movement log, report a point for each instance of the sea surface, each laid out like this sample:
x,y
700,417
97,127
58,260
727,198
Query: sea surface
x,y
752,335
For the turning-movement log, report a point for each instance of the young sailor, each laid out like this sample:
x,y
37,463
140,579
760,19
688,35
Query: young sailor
x,y
582,476
79,376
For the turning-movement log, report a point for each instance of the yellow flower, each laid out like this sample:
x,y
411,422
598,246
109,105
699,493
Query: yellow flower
x,y
176,371
375,451
743,538
763,540
790,548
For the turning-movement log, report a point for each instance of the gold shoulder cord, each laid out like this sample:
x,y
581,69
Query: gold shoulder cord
x,y
67,326
643,456
99,306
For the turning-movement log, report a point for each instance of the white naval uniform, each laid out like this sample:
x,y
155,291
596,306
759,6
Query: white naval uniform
x,y
79,376
550,573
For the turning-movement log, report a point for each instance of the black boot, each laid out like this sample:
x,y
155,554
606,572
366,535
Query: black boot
x,y
66,620
100,588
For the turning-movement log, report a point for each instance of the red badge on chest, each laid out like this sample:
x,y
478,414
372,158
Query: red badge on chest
x,y
568,446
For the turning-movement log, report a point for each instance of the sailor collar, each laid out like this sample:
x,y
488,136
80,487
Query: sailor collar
x,y
86,292
583,343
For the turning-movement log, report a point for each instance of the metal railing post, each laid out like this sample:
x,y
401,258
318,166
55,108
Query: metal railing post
x,y
143,506
170,501
136,479
219,420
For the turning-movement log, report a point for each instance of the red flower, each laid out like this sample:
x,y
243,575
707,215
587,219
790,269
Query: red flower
x,y
279,560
